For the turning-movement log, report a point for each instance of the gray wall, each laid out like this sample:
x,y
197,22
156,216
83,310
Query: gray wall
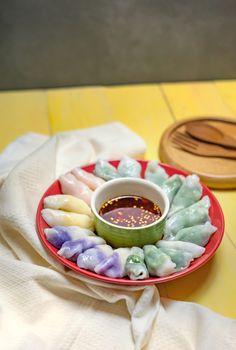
x,y
46,43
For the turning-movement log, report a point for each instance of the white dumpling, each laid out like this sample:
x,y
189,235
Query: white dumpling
x,y
189,193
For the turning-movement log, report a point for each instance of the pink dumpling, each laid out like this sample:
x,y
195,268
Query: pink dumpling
x,y
89,179
70,185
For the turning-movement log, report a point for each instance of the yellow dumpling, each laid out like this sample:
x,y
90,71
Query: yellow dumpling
x,y
67,203
55,217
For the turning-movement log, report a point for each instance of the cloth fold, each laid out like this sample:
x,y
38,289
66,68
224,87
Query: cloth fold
x,y
47,306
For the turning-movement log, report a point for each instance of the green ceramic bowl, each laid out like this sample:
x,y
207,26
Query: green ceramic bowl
x,y
118,236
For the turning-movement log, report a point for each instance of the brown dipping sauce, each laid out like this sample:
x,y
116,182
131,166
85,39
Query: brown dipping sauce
x,y
130,211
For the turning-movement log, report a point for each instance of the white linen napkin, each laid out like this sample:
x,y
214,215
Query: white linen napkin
x,y
44,305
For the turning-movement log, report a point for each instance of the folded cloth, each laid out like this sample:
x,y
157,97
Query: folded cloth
x,y
100,140
44,305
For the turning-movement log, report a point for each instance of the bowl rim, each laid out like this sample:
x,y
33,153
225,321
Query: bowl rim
x,y
135,180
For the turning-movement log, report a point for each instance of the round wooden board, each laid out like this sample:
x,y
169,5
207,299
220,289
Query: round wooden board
x,y
214,172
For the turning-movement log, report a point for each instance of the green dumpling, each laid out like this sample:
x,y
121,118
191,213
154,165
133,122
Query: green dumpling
x,y
155,173
172,185
135,267
189,193
180,258
129,167
195,250
196,214
105,170
199,234
158,263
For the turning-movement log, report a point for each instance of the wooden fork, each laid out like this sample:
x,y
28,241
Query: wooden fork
x,y
188,144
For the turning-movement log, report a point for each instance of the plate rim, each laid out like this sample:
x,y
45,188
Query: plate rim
x,y
126,281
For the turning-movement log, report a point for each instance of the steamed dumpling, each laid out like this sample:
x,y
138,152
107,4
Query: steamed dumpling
x,y
158,263
189,193
172,185
196,214
181,258
70,185
55,217
72,249
89,179
155,173
105,170
58,235
129,167
195,250
90,258
199,234
135,267
114,265
67,203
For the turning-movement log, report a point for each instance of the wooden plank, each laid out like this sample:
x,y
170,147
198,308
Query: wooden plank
x,y
22,112
227,91
196,99
213,285
75,108
142,108
216,280
206,99
227,200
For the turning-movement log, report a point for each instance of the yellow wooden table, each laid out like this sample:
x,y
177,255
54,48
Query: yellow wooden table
x,y
148,110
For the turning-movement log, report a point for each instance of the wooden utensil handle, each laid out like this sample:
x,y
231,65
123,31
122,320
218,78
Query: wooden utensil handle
x,y
226,154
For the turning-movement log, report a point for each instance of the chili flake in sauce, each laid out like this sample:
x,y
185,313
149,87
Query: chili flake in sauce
x,y
130,211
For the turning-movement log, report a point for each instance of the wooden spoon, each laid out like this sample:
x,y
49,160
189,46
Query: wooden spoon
x,y
209,133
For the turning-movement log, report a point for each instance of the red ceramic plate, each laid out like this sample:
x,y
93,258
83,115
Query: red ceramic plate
x,y
216,215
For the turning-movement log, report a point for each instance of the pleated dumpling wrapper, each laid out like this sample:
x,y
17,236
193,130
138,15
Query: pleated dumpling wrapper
x,y
155,173
68,203
105,170
180,258
189,193
72,249
55,217
89,179
172,185
158,263
114,265
135,267
129,167
196,214
195,250
92,257
199,234
58,235
70,185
